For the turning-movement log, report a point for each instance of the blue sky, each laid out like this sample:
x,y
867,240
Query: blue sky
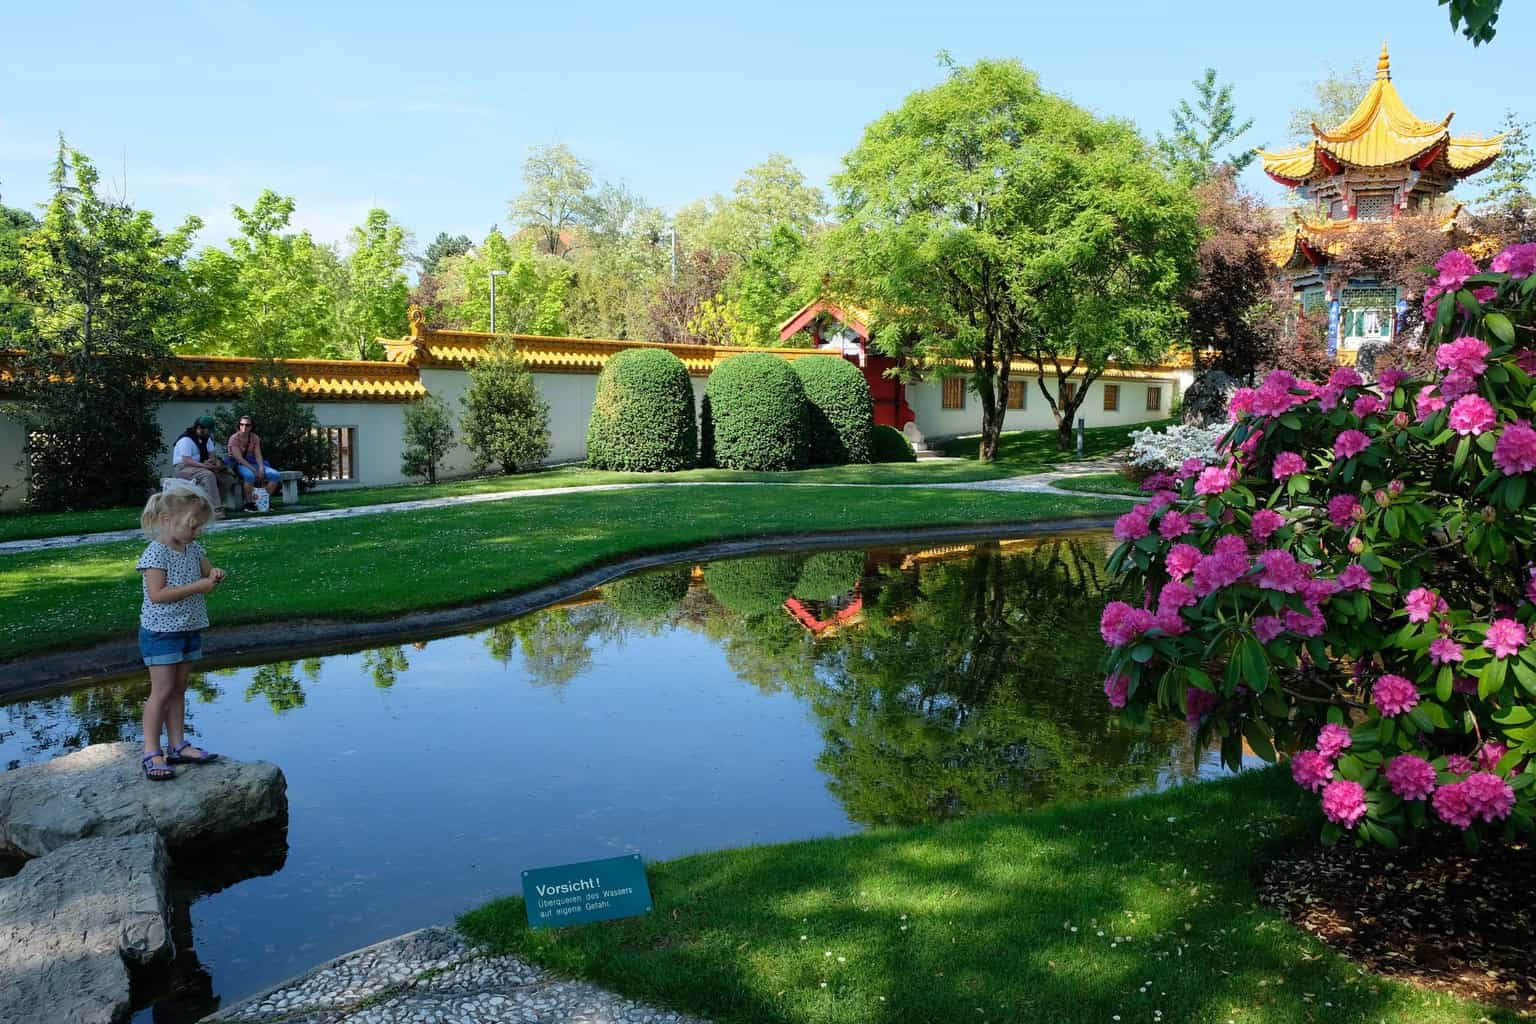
x,y
430,112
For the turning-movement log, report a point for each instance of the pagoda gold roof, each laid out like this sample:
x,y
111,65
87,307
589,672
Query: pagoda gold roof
x,y
1382,132
226,377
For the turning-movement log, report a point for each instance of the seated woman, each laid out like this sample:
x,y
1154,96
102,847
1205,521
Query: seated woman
x,y
258,475
196,459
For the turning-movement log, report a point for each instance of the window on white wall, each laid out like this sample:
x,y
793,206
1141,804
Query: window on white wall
x,y
343,464
1154,397
1111,397
1015,394
954,393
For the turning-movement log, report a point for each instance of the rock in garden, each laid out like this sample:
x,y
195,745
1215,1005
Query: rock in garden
x,y
71,922
100,791
1368,354
1205,400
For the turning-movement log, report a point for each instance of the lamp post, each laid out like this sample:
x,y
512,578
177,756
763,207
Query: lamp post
x,y
494,275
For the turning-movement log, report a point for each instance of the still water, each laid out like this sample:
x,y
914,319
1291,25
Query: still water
x,y
747,701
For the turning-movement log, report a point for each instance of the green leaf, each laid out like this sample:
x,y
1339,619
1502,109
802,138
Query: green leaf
x,y
1462,448
1142,652
1383,835
1502,329
1259,739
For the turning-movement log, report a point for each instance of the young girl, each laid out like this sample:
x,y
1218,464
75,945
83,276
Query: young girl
x,y
176,575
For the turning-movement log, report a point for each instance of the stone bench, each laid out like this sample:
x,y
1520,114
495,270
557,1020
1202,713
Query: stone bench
x,y
289,478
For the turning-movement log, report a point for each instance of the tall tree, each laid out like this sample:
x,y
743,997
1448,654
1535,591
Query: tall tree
x,y
556,198
376,293
622,260
1507,184
987,220
15,314
531,288
1335,97
105,287
442,246
1230,303
774,193
1204,127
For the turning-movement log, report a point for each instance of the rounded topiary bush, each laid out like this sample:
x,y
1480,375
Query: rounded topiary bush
x,y
648,596
841,411
887,444
752,586
754,415
829,574
642,417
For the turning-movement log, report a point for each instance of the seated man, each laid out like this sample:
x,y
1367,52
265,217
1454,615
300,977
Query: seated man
x,y
260,478
195,458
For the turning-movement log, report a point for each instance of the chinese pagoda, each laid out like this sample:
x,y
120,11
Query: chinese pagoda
x,y
1379,163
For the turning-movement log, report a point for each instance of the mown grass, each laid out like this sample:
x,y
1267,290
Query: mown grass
x,y
1132,910
1099,483
1035,451
373,566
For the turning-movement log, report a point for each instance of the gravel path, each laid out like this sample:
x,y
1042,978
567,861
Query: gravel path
x,y
434,976
1038,483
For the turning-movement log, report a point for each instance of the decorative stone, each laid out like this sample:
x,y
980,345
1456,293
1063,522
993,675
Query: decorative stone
x,y
1206,398
101,791
1366,356
70,920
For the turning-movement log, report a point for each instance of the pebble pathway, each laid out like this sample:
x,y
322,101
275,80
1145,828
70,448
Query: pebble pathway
x,y
1038,483
434,976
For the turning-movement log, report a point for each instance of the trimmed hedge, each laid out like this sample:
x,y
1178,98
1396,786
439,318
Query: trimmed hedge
x,y
754,415
752,586
887,444
642,417
648,597
829,574
841,410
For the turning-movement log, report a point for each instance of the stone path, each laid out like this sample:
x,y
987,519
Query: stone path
x,y
1037,483
434,975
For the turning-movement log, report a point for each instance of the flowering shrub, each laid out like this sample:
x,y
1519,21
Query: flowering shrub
x,y
1353,582
1155,450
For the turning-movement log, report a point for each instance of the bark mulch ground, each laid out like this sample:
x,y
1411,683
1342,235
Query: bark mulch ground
x,y
1441,917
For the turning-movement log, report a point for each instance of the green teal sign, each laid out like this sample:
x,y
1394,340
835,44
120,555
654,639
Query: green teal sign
x,y
593,890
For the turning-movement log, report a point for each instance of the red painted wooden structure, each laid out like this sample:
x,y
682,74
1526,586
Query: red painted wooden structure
x,y
889,393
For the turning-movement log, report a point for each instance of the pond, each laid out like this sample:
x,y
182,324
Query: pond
x,y
746,701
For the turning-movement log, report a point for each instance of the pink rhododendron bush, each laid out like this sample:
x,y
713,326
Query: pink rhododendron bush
x,y
1353,582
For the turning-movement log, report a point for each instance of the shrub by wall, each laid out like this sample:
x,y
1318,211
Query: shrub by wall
x,y
887,444
642,418
829,574
841,410
752,586
754,415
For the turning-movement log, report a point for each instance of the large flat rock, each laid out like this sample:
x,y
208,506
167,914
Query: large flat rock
x,y
100,791
71,921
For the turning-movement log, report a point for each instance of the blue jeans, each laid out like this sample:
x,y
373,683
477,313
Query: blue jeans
x,y
249,475
170,648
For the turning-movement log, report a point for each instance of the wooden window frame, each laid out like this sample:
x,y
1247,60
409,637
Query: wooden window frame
x,y
952,393
342,468
1068,391
1111,397
1154,398
1019,388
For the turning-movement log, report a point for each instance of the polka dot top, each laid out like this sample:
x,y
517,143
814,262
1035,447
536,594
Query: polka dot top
x,y
181,568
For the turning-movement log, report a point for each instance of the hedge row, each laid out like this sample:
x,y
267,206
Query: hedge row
x,y
642,416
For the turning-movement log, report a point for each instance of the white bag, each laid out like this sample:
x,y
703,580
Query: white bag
x,y
263,501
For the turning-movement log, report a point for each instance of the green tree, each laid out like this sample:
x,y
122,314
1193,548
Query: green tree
x,y
556,197
279,685
771,284
105,288
376,293
987,220
1335,97
623,259
290,433
1507,183
1479,16
427,437
530,295
506,419
1201,129
442,246
772,194
274,294
15,315
385,664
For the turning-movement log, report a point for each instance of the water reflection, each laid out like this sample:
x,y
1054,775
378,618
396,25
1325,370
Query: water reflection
x,y
744,701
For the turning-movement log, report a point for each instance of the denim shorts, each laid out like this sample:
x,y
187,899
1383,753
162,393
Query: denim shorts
x,y
170,648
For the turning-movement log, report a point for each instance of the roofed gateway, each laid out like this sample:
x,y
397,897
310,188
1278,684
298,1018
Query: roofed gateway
x,y
1379,163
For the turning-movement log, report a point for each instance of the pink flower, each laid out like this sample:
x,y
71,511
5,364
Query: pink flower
x,y
1267,627
1488,758
1158,482
1411,777
1530,583
1428,402
1341,509
1355,577
1526,360
1198,703
1281,572
1134,525
1182,559
1328,398
1173,524
1394,695
1288,464
1487,293
1390,378
1421,603
1215,479
1459,764
1117,688
1455,384
1227,563
1332,740
1367,405
1487,796
1505,637
1311,770
1240,404
1344,802
1444,650
1345,377
1515,450
1518,261
1174,596
1350,443
1431,302
1120,623
1455,267
1471,415
1189,468
1161,500
1466,355
1310,624
1450,803
1265,522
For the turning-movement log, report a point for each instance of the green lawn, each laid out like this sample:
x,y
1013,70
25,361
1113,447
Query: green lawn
x,y
1034,451
388,564
1099,483
1131,910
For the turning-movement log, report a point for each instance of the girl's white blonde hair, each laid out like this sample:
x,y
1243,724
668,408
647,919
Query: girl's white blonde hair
x,y
181,500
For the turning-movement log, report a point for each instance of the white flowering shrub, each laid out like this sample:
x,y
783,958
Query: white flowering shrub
x,y
1154,451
